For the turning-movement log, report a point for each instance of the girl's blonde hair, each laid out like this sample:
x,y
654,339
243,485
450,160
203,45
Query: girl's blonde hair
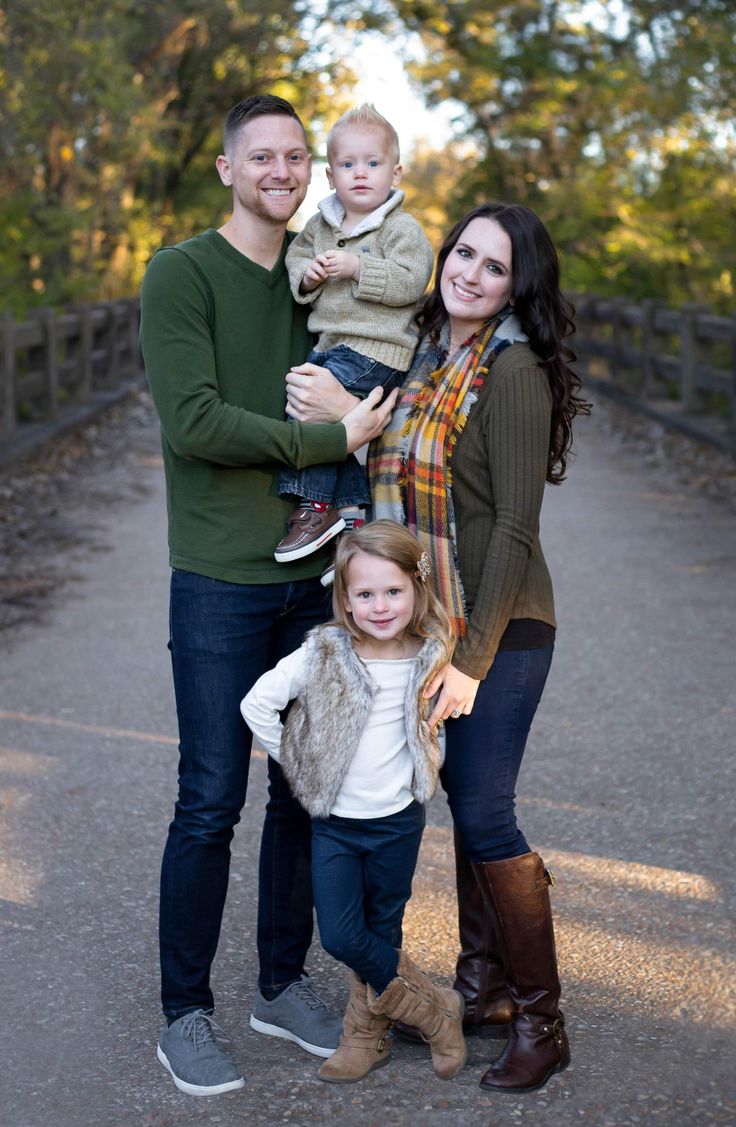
x,y
388,540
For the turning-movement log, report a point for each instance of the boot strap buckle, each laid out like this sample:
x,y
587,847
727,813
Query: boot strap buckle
x,y
558,1026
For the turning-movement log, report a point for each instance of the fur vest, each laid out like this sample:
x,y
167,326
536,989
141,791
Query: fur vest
x,y
327,719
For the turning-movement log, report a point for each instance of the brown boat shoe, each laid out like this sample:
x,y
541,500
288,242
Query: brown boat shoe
x,y
309,529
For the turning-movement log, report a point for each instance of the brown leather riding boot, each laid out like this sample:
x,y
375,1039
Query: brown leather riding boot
x,y
436,1011
518,891
364,1045
479,974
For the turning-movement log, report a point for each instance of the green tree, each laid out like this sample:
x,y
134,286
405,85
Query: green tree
x,y
615,122
111,118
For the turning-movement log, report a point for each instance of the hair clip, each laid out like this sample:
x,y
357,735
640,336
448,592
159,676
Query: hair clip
x,y
424,567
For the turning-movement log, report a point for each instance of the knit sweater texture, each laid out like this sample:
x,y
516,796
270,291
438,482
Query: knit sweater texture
x,y
499,469
218,335
373,316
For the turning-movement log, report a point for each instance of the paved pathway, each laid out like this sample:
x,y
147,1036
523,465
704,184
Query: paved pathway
x,y
627,792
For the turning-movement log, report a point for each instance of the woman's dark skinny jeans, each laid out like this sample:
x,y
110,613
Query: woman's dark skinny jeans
x,y
484,753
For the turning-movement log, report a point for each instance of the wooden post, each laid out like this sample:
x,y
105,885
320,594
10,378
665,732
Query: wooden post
x,y
112,360
689,356
617,329
650,343
133,310
8,419
86,345
648,310
50,361
733,384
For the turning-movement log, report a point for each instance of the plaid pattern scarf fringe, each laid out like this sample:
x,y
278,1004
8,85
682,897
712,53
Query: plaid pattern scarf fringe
x,y
410,465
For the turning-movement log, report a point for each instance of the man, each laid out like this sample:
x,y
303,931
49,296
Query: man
x,y
219,331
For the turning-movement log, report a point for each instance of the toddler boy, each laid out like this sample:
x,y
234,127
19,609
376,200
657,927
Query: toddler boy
x,y
362,264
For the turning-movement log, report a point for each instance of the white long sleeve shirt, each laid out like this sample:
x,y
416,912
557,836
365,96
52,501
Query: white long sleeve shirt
x,y
378,781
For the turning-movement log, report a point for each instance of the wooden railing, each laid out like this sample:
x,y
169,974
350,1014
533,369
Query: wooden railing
x,y
678,363
55,359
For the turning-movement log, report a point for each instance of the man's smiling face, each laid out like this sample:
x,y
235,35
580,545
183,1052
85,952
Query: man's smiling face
x,y
269,168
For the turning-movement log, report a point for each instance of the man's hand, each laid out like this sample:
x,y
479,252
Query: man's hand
x,y
457,694
363,423
313,395
339,264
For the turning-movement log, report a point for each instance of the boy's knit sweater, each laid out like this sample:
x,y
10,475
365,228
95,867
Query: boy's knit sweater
x,y
373,316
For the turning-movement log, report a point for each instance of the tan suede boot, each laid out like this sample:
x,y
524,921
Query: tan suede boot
x,y
363,1046
436,1011
480,975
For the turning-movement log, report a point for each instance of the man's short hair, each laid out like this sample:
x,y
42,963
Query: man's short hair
x,y
367,115
259,105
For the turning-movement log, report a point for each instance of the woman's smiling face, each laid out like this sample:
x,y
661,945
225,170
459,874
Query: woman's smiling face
x,y
476,279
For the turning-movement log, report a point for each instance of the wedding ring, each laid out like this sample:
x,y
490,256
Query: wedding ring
x,y
456,713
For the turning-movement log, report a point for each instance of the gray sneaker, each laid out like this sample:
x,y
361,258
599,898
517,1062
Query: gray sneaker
x,y
298,1014
198,1065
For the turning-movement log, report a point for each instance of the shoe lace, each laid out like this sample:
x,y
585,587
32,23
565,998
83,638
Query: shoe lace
x,y
305,992
201,1027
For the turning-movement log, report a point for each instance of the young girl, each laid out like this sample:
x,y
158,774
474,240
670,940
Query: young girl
x,y
360,757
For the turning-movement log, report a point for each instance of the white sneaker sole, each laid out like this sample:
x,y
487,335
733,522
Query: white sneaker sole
x,y
307,549
287,1035
198,1089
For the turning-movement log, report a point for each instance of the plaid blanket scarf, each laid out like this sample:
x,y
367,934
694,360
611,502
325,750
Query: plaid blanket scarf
x,y
410,465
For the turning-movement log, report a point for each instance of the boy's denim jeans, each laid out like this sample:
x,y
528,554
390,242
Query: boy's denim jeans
x,y
362,869
223,637
342,484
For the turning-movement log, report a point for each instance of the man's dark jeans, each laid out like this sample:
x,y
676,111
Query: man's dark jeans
x,y
223,636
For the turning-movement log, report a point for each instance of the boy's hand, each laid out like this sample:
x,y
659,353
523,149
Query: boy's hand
x,y
340,264
314,276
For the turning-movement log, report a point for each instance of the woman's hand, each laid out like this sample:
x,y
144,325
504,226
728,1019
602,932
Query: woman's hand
x,y
457,694
313,395
366,421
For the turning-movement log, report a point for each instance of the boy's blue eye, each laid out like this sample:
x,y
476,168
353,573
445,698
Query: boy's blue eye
x,y
347,164
373,164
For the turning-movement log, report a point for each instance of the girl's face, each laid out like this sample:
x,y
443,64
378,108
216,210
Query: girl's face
x,y
380,597
476,279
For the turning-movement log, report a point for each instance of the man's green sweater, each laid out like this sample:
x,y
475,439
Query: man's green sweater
x,y
218,335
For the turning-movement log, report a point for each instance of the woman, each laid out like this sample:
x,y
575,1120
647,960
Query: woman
x,y
483,422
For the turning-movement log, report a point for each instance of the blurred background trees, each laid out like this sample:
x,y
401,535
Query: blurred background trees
x,y
110,123
614,121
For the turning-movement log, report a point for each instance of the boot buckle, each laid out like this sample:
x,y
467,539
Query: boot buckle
x,y
558,1026
550,878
